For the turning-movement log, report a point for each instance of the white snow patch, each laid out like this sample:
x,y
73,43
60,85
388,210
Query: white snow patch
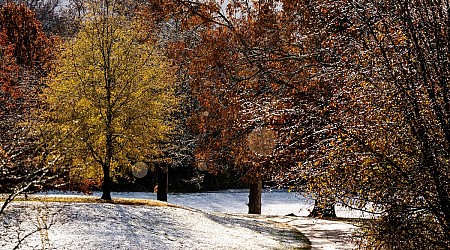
x,y
114,226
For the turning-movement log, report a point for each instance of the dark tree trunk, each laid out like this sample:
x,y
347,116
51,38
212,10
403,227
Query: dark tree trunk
x,y
254,198
323,208
109,143
163,183
106,186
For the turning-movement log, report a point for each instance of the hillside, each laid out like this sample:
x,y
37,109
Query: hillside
x,y
118,226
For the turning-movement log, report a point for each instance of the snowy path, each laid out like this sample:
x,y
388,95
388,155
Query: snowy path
x,y
323,234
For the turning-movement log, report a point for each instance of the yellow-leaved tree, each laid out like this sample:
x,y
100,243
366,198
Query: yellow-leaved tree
x,y
110,96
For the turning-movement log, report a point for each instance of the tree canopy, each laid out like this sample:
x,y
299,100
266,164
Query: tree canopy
x,y
25,52
109,96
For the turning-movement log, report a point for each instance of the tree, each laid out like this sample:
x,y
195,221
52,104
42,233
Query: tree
x,y
8,68
110,96
254,81
25,52
24,31
385,122
214,121
214,57
57,17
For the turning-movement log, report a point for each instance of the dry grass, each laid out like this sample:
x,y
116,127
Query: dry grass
x,y
77,199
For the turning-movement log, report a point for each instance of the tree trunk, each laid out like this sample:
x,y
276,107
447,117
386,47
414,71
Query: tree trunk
x,y
163,183
254,198
109,147
323,207
106,186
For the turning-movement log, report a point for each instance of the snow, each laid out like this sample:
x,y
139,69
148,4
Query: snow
x,y
323,234
114,226
274,202
210,220
235,201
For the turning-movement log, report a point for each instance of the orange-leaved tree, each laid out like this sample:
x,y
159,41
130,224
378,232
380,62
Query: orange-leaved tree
x,y
247,73
25,52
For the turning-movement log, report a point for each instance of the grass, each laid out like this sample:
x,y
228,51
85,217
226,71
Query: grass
x,y
120,201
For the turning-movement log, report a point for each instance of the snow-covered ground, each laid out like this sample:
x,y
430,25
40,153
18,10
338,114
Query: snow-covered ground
x,y
274,202
211,220
115,226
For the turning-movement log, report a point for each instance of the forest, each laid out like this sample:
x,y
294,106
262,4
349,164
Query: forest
x,y
347,100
